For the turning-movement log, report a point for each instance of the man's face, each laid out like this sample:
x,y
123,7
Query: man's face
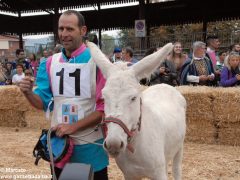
x,y
237,48
118,55
125,55
70,34
215,43
45,54
21,55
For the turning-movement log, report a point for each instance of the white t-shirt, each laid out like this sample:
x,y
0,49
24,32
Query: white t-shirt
x,y
17,78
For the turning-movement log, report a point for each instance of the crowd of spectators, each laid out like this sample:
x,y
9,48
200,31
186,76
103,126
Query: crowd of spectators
x,y
12,72
206,64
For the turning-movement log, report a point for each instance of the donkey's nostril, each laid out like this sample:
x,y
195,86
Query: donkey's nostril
x,y
121,144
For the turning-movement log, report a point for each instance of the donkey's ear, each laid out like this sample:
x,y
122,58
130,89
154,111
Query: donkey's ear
x,y
145,67
101,60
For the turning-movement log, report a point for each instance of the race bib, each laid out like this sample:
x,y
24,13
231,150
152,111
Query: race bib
x,y
71,81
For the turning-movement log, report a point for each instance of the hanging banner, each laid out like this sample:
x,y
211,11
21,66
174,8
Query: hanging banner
x,y
140,28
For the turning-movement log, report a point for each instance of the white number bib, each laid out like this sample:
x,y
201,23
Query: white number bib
x,y
71,80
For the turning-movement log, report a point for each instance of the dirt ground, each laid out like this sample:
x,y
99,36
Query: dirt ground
x,y
201,161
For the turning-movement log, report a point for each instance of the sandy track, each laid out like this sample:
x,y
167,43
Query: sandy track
x,y
201,161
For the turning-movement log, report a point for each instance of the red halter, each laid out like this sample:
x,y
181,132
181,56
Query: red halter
x,y
130,133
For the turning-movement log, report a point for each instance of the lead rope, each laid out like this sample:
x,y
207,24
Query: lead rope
x,y
50,153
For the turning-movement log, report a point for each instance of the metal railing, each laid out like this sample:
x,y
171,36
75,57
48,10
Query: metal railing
x,y
140,45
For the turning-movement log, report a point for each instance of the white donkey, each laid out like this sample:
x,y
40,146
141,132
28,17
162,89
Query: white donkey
x,y
146,128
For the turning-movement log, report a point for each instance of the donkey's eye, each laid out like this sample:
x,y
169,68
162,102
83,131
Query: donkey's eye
x,y
133,98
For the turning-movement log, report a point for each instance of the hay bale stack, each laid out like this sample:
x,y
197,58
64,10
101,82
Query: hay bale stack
x,y
16,111
12,98
226,110
12,118
36,119
200,118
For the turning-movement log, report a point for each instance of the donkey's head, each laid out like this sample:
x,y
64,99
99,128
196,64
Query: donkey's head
x,y
122,95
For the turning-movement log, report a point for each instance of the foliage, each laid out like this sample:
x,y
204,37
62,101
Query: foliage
x,y
108,44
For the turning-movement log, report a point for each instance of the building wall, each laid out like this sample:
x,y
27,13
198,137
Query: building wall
x,y
8,52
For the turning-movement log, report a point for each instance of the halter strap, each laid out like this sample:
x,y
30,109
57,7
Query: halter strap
x,y
125,128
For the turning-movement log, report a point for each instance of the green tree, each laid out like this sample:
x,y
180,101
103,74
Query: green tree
x,y
108,44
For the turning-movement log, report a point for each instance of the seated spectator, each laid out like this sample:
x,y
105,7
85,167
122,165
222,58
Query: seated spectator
x,y
19,76
230,75
198,70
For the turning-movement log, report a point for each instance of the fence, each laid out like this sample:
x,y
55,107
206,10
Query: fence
x,y
140,45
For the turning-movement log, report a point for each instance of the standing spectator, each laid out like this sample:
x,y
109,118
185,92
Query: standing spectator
x,y
198,70
213,44
219,66
19,76
58,48
74,97
34,64
9,73
235,48
3,76
230,73
95,39
220,61
45,56
50,52
127,56
117,55
20,60
178,59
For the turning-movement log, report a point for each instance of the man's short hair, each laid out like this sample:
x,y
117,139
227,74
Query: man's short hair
x,y
18,51
210,38
129,51
81,20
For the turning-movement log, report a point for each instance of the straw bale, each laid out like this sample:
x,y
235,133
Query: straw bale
x,y
229,133
199,131
12,118
200,118
226,106
12,98
36,119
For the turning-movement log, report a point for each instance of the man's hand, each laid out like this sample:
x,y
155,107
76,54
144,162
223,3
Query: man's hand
x,y
26,85
62,129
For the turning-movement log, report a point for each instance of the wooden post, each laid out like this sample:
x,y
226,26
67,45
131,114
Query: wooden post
x,y
20,33
55,22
